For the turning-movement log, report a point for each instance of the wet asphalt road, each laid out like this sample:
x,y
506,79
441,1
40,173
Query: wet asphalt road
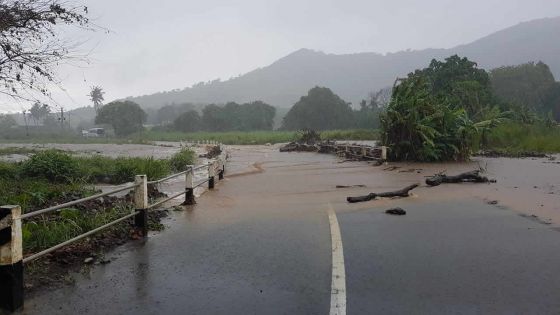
x,y
260,244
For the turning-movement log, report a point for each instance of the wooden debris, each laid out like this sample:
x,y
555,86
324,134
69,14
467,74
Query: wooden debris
x,y
298,147
398,193
349,186
472,177
391,168
395,211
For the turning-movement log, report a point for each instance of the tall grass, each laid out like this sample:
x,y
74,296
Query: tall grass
x,y
257,137
68,223
53,176
102,169
517,138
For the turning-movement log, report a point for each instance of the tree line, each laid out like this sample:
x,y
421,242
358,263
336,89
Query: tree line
x,y
127,117
448,109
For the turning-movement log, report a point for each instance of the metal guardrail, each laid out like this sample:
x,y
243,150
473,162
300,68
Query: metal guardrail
x,y
77,238
11,245
75,202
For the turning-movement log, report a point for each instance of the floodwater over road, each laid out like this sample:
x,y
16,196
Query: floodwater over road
x,y
261,243
158,150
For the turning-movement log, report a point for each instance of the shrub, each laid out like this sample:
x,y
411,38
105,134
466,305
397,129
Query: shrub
x,y
179,161
52,165
8,170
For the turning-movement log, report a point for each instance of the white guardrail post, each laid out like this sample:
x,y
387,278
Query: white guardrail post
x,y
384,153
211,174
11,255
221,167
189,186
141,204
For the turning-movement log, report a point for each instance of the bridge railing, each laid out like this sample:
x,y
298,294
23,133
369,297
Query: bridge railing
x,y
11,243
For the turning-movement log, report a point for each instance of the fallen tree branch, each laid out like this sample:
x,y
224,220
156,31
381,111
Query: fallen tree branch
x,y
472,176
350,186
398,193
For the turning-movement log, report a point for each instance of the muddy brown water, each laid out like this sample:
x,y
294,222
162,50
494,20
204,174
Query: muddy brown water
x,y
530,186
158,150
260,241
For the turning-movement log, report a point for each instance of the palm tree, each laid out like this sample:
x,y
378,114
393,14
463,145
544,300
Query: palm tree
x,y
96,96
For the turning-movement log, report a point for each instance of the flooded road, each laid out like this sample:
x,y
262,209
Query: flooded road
x,y
260,243
158,150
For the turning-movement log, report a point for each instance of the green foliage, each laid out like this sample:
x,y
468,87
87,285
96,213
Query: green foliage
x,y
440,113
529,87
52,165
321,109
122,169
351,134
308,136
188,122
179,161
96,95
33,193
39,111
69,223
8,170
125,117
258,137
168,113
515,137
56,176
234,117
367,117
230,137
459,83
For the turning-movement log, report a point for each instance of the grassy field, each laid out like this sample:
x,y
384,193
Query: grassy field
x,y
516,138
230,137
257,137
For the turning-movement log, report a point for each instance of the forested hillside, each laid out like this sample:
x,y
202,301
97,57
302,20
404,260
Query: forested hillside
x,y
354,76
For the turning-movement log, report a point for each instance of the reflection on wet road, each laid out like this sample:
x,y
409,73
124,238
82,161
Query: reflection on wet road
x,y
262,244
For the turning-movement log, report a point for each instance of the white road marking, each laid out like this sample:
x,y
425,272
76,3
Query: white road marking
x,y
338,283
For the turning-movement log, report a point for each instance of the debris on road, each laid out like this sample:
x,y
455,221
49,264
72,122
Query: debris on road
x,y
410,170
398,193
472,177
211,152
395,211
350,186
391,168
298,147
500,153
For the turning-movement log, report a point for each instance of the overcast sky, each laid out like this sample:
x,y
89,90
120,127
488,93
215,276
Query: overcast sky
x,y
169,44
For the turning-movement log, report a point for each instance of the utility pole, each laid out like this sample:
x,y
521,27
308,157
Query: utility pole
x,y
25,120
62,118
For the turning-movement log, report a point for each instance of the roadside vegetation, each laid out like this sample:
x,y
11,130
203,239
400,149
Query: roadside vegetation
x,y
449,110
517,139
52,177
258,137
